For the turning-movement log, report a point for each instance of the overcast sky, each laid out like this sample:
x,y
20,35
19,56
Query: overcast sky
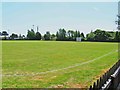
x,y
50,16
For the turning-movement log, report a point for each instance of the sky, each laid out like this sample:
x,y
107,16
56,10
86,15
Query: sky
x,y
18,17
59,0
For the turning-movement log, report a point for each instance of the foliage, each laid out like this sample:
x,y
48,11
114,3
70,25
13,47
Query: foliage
x,y
61,34
31,35
70,35
53,37
21,37
90,36
13,36
101,35
82,36
38,36
4,33
117,36
47,36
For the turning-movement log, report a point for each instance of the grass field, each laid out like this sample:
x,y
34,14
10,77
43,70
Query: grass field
x,y
45,64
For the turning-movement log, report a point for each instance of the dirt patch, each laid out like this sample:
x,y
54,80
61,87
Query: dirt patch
x,y
58,86
98,76
74,85
39,78
102,72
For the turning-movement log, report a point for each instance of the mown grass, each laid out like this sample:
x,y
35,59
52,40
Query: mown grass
x,y
0,64
32,57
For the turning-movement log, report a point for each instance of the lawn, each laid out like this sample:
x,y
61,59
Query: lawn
x,y
46,64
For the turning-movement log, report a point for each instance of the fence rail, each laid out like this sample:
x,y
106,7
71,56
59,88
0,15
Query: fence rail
x,y
110,80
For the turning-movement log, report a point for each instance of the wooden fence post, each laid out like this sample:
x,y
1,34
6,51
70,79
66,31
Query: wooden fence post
x,y
110,80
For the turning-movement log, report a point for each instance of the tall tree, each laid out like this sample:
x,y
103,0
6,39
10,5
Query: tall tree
x,y
117,36
78,34
90,36
57,35
5,34
101,35
31,34
53,37
82,36
61,34
38,36
47,36
13,36
71,35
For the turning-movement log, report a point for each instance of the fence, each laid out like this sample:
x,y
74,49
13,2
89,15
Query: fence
x,y
110,80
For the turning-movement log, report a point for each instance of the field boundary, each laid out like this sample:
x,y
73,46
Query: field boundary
x,y
110,80
41,73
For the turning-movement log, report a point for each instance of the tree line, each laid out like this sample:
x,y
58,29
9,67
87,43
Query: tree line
x,y
61,35
66,35
101,35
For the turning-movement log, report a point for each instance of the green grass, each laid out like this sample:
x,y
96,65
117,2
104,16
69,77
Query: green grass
x,y
32,57
0,64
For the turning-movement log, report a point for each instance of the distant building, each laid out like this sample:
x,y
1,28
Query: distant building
x,y
78,39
